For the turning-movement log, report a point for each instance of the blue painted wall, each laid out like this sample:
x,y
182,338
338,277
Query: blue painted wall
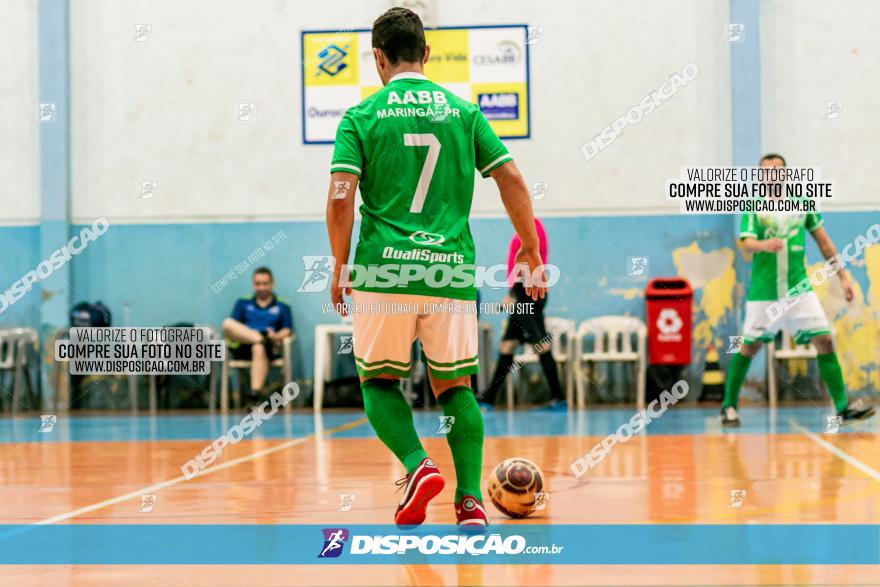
x,y
164,273
19,253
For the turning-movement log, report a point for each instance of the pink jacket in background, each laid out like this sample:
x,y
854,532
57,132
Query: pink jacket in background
x,y
515,243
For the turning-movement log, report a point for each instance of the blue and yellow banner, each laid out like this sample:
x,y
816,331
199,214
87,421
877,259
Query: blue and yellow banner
x,y
487,65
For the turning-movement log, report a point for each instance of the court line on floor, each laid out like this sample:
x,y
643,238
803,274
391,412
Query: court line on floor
x,y
867,470
171,482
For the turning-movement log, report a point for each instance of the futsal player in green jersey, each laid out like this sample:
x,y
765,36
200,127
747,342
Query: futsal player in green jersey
x,y
413,147
779,273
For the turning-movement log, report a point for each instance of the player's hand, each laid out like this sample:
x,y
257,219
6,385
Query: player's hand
x,y
534,279
337,292
773,245
849,292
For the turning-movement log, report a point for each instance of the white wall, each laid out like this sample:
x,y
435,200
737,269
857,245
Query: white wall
x,y
19,156
164,110
813,52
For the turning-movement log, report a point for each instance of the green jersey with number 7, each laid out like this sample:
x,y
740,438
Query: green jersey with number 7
x,y
415,145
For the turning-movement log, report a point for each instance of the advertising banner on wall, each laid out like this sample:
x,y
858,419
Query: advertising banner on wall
x,y
486,65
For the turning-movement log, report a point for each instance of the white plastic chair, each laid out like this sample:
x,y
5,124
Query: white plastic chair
x,y
13,358
285,362
561,334
612,342
788,350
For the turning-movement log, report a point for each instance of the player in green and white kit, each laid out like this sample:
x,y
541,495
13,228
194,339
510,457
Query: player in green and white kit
x,y
779,274
413,147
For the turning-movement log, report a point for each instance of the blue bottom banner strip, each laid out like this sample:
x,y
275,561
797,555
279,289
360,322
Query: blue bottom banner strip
x,y
525,544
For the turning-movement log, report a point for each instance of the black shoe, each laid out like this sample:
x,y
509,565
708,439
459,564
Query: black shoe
x,y
729,417
554,405
855,411
250,400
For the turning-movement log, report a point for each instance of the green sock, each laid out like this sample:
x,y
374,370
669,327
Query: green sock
x,y
737,370
391,418
832,375
465,439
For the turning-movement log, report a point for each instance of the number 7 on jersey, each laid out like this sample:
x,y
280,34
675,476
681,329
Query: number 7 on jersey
x,y
430,141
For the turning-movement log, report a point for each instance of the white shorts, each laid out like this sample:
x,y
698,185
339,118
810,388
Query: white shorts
x,y
800,316
386,325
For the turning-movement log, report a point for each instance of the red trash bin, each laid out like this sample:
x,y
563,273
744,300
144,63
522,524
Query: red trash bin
x,y
669,307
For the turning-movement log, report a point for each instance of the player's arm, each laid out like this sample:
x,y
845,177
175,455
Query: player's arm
x,y
748,238
829,251
750,244
518,203
493,160
340,221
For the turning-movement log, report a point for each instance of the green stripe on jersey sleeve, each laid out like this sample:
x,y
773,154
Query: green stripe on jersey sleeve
x,y
348,152
489,151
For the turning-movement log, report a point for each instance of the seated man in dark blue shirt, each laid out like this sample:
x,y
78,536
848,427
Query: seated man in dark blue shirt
x,y
258,324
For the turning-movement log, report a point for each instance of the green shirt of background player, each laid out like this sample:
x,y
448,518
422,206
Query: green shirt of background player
x,y
776,242
413,146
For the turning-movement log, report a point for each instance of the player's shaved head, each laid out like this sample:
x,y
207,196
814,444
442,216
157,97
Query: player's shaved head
x,y
769,157
400,35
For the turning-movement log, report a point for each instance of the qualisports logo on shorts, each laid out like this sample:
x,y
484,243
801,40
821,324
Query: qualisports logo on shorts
x,y
334,540
420,237
332,60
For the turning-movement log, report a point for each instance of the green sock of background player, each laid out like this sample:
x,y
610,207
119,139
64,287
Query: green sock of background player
x,y
391,418
829,371
736,375
832,375
465,438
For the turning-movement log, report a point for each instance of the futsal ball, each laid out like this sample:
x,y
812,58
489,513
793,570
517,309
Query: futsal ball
x,y
514,485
